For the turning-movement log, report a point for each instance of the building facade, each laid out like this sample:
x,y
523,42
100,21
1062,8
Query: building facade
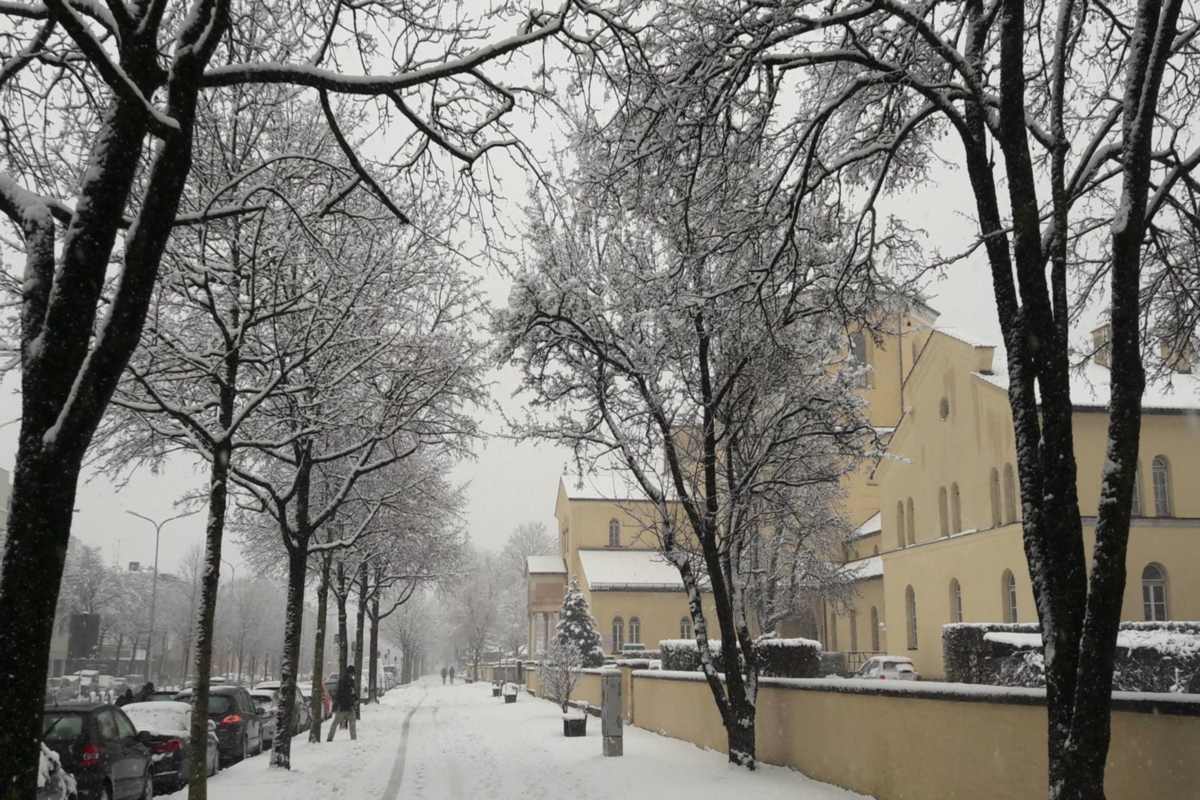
x,y
946,545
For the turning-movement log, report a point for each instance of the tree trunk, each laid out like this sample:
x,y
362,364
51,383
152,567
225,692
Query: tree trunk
x,y
360,620
39,526
218,496
341,596
372,689
318,674
281,753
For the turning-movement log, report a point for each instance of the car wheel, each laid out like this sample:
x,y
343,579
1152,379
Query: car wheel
x,y
245,748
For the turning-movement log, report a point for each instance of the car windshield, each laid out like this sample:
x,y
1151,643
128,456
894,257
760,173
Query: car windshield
x,y
157,718
61,727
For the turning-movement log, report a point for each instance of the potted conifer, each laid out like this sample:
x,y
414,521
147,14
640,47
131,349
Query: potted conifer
x,y
576,645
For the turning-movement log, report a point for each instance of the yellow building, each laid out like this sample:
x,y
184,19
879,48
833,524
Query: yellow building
x,y
607,543
946,545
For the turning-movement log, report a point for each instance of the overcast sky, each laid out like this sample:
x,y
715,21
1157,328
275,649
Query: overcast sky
x,y
508,484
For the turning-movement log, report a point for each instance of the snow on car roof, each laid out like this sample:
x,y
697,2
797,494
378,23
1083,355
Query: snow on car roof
x,y
629,569
552,565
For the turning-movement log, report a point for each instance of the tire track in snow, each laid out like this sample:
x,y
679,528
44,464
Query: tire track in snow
x,y
393,785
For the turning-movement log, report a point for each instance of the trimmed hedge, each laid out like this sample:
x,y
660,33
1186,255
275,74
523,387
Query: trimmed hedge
x,y
1151,656
777,658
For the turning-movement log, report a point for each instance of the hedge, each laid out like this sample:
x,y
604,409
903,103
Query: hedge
x,y
777,658
1151,656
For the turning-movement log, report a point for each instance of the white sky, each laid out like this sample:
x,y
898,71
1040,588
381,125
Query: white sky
x,y
508,484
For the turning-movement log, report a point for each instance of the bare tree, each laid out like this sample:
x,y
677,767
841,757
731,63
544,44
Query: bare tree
x,y
663,323
527,539
473,604
1072,119
120,83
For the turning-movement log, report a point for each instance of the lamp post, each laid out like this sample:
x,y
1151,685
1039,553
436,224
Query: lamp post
x,y
158,526
241,610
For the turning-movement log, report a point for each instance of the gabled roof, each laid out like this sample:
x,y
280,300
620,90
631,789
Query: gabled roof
x,y
629,570
865,568
545,565
1091,388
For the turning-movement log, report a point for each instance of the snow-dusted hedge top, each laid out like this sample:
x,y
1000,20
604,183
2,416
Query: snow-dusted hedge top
x,y
1151,656
785,658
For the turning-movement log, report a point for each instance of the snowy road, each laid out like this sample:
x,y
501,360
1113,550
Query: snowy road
x,y
432,742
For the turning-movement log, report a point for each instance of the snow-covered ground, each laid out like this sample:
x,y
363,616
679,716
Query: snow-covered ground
x,y
433,742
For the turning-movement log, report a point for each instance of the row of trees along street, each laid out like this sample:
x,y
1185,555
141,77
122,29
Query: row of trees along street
x,y
240,249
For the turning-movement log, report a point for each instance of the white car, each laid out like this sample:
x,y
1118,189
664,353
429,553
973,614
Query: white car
x,y
895,668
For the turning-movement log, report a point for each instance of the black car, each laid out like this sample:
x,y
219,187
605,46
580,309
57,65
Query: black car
x,y
239,726
98,744
168,727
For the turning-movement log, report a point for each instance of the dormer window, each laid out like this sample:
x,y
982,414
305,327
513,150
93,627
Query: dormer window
x,y
614,533
1102,345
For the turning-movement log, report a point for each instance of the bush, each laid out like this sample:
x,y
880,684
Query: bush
x,y
682,655
1151,656
788,658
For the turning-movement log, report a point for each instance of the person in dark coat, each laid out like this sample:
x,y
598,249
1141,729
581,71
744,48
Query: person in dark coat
x,y
452,673
443,675
146,693
343,703
126,698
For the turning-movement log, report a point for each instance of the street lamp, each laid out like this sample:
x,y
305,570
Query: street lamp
x,y
158,526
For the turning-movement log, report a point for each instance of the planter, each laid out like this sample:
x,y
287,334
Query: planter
x,y
575,726
495,691
510,698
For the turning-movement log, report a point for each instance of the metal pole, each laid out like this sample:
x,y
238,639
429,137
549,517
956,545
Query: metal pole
x,y
158,526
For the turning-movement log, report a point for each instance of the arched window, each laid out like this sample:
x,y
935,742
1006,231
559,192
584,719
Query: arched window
x,y
833,631
1154,593
685,628
1135,507
853,631
900,523
1162,486
912,524
955,508
614,533
858,352
1008,595
956,612
910,608
943,516
635,630
874,629
618,634
1010,494
995,485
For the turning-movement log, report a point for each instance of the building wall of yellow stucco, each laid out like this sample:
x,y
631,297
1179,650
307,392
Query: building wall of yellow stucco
x,y
901,747
928,452
846,632
659,612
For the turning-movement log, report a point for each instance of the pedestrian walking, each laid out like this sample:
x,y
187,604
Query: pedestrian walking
x,y
451,673
343,704
126,698
443,676
146,693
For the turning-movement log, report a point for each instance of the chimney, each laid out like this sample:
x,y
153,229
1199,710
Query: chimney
x,y
1101,345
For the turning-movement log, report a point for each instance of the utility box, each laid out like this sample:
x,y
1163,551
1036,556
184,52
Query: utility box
x,y
610,713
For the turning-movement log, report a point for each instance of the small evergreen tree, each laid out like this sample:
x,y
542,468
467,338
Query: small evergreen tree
x,y
576,625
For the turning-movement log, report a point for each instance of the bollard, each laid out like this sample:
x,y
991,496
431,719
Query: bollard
x,y
610,713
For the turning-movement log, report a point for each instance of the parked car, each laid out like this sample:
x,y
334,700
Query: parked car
x,y
239,727
167,726
896,668
98,744
163,694
326,702
266,703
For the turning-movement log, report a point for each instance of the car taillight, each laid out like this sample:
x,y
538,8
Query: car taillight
x,y
232,719
169,746
90,755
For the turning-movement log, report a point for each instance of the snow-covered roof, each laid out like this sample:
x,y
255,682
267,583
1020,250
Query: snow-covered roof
x,y
609,485
864,568
635,570
871,526
962,335
1090,388
545,565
